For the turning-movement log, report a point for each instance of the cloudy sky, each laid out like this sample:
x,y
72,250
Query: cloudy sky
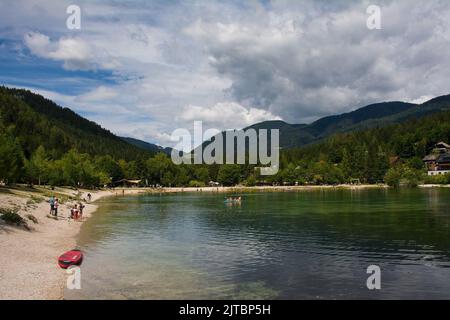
x,y
145,68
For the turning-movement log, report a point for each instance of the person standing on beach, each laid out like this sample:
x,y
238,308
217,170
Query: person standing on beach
x,y
55,207
81,207
75,212
89,197
52,204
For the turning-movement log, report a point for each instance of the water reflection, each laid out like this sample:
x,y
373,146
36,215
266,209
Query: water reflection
x,y
306,245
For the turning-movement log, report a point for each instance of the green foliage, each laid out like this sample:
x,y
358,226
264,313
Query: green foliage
x,y
438,179
160,169
36,121
229,174
412,177
392,177
201,174
250,181
11,158
404,175
37,168
42,143
415,163
111,170
196,184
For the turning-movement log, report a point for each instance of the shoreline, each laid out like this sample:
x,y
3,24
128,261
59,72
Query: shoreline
x,y
137,190
147,190
31,270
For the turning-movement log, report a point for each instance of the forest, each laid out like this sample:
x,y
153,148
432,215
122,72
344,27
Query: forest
x,y
40,144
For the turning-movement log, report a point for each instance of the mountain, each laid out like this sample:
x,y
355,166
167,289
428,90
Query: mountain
x,y
374,115
35,120
147,146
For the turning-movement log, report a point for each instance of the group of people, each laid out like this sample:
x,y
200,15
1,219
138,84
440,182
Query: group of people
x,y
233,199
76,212
54,204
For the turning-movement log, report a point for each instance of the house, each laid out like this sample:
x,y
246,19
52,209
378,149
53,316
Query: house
x,y
438,161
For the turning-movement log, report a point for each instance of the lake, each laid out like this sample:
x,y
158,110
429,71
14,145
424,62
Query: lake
x,y
280,245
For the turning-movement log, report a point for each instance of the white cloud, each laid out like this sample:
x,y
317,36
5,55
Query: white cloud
x,y
230,64
228,115
101,93
75,53
421,99
323,60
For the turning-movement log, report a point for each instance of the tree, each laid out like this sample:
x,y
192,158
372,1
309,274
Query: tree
x,y
110,167
201,174
11,159
376,164
159,167
229,174
182,177
78,170
250,181
38,166
290,174
392,177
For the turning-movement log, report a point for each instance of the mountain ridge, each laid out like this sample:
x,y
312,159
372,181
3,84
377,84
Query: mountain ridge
x,y
77,130
147,145
373,115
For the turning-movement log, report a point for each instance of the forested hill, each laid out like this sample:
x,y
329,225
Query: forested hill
x,y
35,120
147,146
41,142
375,115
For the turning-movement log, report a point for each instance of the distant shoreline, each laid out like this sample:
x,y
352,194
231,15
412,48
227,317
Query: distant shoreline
x,y
131,190
254,189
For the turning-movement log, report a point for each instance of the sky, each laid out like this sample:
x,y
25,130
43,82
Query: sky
x,y
145,68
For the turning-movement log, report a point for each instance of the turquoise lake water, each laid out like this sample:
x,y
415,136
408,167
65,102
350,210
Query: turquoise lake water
x,y
286,245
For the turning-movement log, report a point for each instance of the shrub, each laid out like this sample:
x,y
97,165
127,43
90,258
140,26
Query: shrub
x,y
12,217
251,181
196,184
438,179
412,177
392,177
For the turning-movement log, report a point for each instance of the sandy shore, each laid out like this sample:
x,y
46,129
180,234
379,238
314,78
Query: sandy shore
x,y
271,188
242,189
28,267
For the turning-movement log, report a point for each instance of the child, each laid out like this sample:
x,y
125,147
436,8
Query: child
x,y
55,207
75,212
81,209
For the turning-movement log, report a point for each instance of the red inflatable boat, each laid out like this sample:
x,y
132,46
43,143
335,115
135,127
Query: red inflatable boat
x,y
70,258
